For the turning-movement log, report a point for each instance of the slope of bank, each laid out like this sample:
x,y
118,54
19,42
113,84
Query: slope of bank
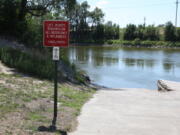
x,y
26,91
38,62
26,103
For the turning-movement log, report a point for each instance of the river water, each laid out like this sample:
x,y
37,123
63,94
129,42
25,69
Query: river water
x,y
118,67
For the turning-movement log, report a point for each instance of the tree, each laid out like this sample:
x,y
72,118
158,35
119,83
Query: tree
x,y
177,34
41,7
96,17
130,32
140,32
79,21
98,33
151,33
111,31
85,24
8,16
14,13
169,32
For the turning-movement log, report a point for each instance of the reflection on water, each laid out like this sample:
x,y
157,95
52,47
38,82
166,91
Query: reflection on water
x,y
127,67
138,62
93,56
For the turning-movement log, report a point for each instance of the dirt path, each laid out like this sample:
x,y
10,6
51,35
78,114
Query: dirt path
x,y
131,112
5,70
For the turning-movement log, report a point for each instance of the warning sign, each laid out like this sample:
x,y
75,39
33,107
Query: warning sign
x,y
56,33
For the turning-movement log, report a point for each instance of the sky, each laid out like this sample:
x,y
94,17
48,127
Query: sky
x,y
124,12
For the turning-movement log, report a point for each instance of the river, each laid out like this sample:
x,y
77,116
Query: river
x,y
118,67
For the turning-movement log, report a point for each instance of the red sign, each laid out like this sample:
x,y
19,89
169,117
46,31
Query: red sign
x,y
56,33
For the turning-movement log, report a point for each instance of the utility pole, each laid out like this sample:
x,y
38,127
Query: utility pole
x,y
177,3
144,21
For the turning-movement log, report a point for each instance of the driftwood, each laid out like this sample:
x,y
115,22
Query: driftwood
x,y
164,85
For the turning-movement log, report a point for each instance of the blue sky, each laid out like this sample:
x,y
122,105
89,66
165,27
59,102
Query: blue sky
x,y
124,12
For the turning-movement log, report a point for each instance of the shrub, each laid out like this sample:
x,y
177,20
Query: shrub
x,y
136,41
110,42
27,63
37,65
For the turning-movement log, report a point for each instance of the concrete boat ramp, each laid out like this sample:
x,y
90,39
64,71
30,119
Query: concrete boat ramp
x,y
131,112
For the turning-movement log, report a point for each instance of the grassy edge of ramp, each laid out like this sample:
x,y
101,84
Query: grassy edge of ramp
x,y
26,104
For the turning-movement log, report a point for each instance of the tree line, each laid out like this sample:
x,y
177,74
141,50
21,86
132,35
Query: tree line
x,y
88,25
23,19
167,32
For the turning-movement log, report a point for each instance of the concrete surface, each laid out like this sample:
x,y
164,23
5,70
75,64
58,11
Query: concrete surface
x,y
131,112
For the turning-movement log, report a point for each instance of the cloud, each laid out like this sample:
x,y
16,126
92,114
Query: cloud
x,y
101,3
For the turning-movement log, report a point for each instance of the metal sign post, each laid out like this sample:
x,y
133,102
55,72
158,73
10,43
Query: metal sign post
x,y
55,34
56,59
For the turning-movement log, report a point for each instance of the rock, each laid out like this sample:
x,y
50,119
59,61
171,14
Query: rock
x,y
164,85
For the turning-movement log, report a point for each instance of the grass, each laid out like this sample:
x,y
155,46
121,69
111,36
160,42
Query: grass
x,y
26,102
37,116
74,99
32,64
7,103
31,99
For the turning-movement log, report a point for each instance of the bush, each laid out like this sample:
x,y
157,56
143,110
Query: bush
x,y
31,64
136,41
37,65
109,42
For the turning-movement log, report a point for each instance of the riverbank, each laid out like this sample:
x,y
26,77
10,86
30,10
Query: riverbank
x,y
26,104
148,44
26,91
130,112
134,43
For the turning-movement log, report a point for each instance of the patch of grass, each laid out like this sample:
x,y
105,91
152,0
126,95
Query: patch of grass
x,y
7,105
7,108
20,93
37,117
4,90
74,98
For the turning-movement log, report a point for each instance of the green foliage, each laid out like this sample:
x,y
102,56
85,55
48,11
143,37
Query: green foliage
x,y
9,15
37,116
151,33
178,34
111,31
141,32
27,63
145,43
88,25
110,42
41,66
23,19
33,35
130,32
136,41
96,16
170,32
